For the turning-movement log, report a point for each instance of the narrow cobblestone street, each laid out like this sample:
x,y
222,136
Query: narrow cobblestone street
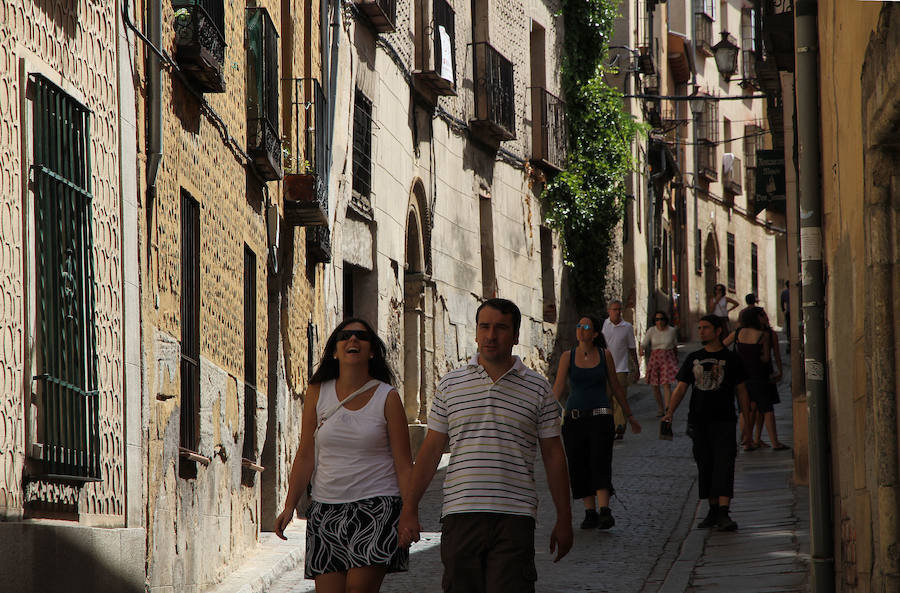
x,y
654,546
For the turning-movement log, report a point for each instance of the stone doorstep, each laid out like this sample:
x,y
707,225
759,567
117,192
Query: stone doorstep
x,y
263,565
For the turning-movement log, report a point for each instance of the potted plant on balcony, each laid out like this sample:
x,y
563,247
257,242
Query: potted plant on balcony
x,y
299,179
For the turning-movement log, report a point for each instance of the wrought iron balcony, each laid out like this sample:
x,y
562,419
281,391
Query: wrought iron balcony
x,y
318,245
550,129
704,33
435,66
200,42
731,175
495,116
305,192
706,161
263,139
382,13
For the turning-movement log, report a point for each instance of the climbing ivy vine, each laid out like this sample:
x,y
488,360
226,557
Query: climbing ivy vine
x,y
587,200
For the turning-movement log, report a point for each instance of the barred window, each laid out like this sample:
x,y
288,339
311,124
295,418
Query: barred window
x,y
362,146
249,450
731,265
190,327
67,441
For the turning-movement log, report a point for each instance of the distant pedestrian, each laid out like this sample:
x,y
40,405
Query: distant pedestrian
x,y
716,375
661,344
786,311
588,429
619,336
719,305
354,446
495,413
753,345
777,371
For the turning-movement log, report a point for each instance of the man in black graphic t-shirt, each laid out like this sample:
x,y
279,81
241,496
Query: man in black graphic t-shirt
x,y
716,375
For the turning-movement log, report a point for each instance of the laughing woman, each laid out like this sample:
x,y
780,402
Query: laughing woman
x,y
354,446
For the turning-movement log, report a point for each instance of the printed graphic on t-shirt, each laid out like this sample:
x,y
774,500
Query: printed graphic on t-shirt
x,y
709,373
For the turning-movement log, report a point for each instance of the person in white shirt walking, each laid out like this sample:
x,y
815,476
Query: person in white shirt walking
x,y
661,343
619,335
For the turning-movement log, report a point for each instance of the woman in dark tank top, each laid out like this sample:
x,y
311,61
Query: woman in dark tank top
x,y
588,429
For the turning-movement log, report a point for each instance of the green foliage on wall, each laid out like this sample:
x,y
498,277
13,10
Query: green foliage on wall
x,y
587,200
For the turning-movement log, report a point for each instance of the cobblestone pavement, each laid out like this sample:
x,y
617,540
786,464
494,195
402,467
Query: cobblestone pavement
x,y
653,546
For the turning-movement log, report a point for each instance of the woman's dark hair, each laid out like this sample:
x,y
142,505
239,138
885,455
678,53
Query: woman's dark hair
x,y
378,366
749,317
599,340
661,313
719,287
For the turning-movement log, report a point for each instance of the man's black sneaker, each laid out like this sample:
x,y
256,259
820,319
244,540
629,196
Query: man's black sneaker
x,y
711,518
724,522
605,520
591,519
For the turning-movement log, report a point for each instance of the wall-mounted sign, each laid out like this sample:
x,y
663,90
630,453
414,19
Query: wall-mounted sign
x,y
770,186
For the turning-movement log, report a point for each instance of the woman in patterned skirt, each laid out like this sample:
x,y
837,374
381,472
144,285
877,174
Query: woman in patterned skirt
x,y
359,462
661,341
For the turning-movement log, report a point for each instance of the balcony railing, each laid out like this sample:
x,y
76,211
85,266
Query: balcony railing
x,y
550,130
731,175
306,199
706,161
200,42
436,47
263,139
704,33
318,245
382,13
495,115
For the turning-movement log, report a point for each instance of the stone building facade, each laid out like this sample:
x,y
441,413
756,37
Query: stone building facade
x,y
71,513
691,217
858,77
438,168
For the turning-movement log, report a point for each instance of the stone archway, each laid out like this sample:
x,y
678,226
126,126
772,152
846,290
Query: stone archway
x,y
418,313
711,263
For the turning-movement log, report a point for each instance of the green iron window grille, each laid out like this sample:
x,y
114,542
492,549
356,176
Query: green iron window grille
x,y
263,139
362,150
67,386
249,449
190,324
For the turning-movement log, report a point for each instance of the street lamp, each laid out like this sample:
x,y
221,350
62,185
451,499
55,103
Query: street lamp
x,y
697,102
726,54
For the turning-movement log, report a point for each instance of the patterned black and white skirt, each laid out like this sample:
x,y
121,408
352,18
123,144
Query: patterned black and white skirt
x,y
353,534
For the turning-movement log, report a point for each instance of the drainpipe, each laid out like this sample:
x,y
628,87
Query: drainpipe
x,y
155,140
813,293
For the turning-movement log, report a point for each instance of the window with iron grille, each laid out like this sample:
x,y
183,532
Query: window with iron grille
x,y
249,354
731,268
362,148
708,138
67,392
190,323
752,136
754,269
748,45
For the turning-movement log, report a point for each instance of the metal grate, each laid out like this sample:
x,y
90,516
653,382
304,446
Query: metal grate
x,y
190,323
552,137
68,393
362,146
263,139
494,91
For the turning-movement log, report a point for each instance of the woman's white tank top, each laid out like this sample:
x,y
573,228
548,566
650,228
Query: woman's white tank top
x,y
353,452
721,309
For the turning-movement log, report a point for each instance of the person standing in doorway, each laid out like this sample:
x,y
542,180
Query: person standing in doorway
x,y
619,336
716,375
721,305
495,413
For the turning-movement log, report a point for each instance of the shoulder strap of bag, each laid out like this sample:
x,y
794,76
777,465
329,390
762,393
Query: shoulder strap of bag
x,y
329,413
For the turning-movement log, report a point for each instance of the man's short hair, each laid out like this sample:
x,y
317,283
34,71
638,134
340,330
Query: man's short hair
x,y
614,302
505,306
751,299
716,322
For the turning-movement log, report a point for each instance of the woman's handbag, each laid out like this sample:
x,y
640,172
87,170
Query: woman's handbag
x,y
302,508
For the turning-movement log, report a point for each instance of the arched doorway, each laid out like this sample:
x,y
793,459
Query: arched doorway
x,y
416,312
711,263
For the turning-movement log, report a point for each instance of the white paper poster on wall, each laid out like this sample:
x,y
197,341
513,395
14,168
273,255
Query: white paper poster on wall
x,y
446,54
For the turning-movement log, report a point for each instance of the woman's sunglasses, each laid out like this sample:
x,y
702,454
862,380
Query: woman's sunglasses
x,y
361,334
583,326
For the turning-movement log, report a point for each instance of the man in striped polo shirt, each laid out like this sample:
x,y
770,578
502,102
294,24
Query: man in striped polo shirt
x,y
494,412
